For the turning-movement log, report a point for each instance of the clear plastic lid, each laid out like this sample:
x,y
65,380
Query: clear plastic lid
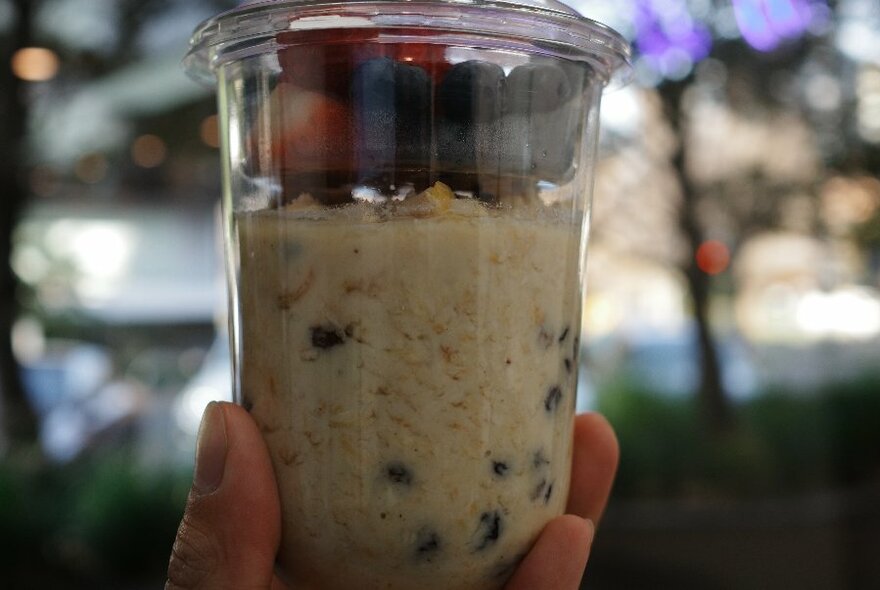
x,y
547,26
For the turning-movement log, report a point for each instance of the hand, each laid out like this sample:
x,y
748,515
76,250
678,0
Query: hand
x,y
231,528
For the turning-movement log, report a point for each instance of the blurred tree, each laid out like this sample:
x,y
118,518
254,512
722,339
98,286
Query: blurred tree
x,y
19,422
710,392
783,71
741,201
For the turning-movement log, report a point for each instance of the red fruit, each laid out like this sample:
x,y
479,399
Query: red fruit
x,y
324,60
309,131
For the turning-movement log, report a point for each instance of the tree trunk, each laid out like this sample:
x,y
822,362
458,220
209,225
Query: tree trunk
x,y
19,422
712,398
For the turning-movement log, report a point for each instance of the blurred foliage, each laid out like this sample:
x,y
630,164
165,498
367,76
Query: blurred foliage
x,y
786,442
867,233
106,522
90,524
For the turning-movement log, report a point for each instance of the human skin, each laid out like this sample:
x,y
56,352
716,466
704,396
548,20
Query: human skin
x,y
231,529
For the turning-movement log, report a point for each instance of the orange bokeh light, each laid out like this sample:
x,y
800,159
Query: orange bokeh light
x,y
35,64
149,151
210,131
713,257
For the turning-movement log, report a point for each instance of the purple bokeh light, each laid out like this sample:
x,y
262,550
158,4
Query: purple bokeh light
x,y
765,24
668,37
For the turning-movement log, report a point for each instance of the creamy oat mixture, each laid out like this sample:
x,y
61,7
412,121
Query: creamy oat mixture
x,y
412,366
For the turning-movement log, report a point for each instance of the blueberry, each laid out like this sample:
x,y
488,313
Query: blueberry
x,y
538,88
326,336
373,102
539,459
413,125
564,335
428,544
500,468
392,112
471,92
547,494
488,530
538,491
398,473
541,123
554,396
468,127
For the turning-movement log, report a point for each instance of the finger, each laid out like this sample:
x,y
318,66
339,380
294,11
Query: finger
x,y
594,464
231,526
558,558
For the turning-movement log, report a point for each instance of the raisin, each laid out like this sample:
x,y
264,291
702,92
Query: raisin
x,y
399,473
489,530
428,544
567,365
326,336
554,396
500,468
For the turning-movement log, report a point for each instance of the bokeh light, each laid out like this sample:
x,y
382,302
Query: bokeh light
x,y
209,131
868,110
35,64
91,168
765,24
670,40
149,151
713,257
44,181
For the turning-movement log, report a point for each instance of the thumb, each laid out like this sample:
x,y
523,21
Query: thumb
x,y
559,556
231,527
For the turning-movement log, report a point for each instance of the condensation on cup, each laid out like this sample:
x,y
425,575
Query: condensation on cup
x,y
406,199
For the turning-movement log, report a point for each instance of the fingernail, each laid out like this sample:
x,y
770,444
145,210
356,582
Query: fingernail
x,y
210,450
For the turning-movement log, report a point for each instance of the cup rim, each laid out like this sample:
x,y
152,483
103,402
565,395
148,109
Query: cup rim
x,y
251,29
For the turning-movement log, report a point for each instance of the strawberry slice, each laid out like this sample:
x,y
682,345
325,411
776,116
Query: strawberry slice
x,y
324,60
308,132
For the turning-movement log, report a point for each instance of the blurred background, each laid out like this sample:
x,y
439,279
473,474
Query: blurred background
x,y
732,322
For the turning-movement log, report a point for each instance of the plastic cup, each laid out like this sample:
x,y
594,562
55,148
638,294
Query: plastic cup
x,y
406,199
